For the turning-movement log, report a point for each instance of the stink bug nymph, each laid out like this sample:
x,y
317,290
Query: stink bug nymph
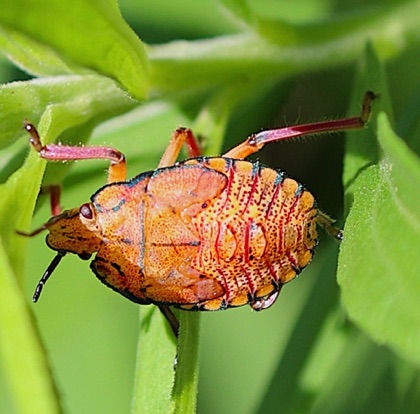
x,y
207,233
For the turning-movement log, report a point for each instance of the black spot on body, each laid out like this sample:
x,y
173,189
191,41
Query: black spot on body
x,y
117,267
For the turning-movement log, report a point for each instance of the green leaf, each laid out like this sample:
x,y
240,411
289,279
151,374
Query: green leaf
x,y
362,147
379,258
72,99
22,355
33,56
91,34
379,255
370,22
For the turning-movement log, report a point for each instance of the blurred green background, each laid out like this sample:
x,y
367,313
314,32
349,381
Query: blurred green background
x,y
301,356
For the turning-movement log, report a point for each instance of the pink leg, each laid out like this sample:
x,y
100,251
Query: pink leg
x,y
256,142
116,172
117,169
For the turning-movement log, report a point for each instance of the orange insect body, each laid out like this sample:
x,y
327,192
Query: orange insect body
x,y
203,234
208,233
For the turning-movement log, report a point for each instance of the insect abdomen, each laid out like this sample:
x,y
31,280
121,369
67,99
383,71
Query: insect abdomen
x,y
257,235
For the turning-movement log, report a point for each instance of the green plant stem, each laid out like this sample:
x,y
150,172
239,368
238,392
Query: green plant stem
x,y
156,353
184,394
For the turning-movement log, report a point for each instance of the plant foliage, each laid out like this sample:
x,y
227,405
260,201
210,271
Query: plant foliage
x,y
225,68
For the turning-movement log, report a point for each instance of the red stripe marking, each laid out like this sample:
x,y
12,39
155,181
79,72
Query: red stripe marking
x,y
273,198
292,209
228,189
216,241
247,239
251,192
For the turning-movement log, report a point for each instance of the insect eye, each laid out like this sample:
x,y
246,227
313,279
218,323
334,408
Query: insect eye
x,y
86,211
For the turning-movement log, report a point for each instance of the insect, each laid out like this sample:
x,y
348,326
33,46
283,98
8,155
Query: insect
x,y
207,233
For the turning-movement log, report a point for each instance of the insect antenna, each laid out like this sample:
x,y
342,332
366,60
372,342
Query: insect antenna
x,y
32,233
47,275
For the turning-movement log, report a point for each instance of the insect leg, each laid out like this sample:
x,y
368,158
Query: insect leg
x,y
171,318
179,137
261,304
327,223
54,191
256,142
191,142
117,169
